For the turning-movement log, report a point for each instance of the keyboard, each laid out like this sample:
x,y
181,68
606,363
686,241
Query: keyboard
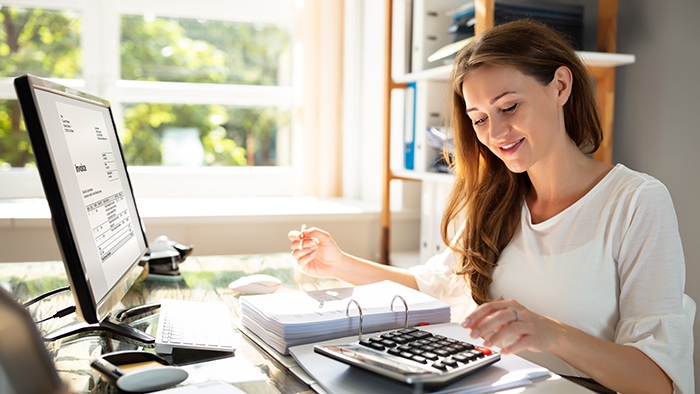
x,y
194,325
413,356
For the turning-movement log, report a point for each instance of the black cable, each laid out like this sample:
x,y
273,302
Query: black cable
x,y
47,294
63,312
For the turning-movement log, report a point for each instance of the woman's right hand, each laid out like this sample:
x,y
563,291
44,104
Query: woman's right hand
x,y
315,251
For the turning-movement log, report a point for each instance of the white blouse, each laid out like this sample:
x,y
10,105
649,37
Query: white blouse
x,y
610,265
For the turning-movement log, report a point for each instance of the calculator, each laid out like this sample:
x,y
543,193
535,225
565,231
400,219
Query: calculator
x,y
413,356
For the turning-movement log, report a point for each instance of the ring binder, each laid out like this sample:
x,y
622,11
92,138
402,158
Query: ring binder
x,y
359,308
296,318
405,323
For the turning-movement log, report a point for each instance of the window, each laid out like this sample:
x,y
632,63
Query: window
x,y
154,48
40,42
197,88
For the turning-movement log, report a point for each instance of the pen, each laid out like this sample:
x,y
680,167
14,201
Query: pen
x,y
301,237
111,371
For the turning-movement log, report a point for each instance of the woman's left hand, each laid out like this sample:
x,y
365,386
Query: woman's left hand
x,y
513,328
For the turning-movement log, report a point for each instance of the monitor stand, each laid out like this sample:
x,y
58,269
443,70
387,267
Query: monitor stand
x,y
110,324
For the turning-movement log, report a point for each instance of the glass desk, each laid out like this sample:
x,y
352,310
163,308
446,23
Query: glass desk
x,y
250,368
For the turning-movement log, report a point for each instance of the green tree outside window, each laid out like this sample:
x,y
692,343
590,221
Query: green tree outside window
x,y
39,42
47,44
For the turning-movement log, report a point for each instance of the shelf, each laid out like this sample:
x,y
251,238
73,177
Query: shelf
x,y
440,73
602,59
591,59
422,176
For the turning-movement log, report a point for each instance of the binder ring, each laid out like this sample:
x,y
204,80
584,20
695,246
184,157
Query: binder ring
x,y
359,308
405,323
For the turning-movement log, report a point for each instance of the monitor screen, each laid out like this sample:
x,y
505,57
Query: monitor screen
x,y
87,186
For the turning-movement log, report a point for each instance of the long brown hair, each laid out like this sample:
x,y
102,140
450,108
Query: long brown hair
x,y
486,195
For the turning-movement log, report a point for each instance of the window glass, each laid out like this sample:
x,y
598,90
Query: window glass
x,y
33,41
204,51
40,42
15,150
204,135
47,43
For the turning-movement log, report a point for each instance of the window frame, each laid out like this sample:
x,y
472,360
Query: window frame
x,y
100,37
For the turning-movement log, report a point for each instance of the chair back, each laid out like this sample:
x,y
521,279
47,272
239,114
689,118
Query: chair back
x,y
689,308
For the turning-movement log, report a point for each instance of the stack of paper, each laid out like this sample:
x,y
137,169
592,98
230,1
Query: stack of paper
x,y
283,320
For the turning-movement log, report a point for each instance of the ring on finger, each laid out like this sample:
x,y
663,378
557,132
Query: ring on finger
x,y
517,315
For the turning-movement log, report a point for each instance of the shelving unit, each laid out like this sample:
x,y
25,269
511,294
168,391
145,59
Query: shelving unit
x,y
601,65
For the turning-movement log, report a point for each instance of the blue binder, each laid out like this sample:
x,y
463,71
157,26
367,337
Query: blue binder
x,y
409,134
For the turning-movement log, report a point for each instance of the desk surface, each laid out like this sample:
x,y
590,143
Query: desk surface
x,y
203,279
252,367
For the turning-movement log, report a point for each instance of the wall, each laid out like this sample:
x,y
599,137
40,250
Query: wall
x,y
656,127
219,227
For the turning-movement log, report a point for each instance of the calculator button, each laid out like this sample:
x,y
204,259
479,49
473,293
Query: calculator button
x,y
441,352
449,362
460,357
420,334
450,350
430,356
388,343
484,350
419,359
394,352
472,355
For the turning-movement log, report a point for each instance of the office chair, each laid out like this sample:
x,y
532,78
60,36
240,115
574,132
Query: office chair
x,y
689,308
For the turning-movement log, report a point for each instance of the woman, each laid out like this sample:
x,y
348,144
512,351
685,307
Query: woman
x,y
572,263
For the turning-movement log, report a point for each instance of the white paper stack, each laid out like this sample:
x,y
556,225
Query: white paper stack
x,y
283,320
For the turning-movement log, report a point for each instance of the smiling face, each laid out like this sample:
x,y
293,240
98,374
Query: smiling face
x,y
516,117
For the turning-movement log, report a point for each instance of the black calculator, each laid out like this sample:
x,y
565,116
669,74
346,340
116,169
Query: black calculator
x,y
413,356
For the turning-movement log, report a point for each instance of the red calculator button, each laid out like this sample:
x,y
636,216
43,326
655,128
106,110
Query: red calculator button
x,y
484,350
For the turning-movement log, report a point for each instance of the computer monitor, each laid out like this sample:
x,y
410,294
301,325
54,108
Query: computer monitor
x,y
87,186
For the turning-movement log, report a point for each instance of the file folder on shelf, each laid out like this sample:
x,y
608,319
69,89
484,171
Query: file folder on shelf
x,y
409,136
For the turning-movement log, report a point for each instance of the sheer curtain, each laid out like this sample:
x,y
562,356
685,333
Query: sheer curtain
x,y
319,110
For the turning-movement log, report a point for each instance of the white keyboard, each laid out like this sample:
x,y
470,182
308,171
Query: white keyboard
x,y
194,325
